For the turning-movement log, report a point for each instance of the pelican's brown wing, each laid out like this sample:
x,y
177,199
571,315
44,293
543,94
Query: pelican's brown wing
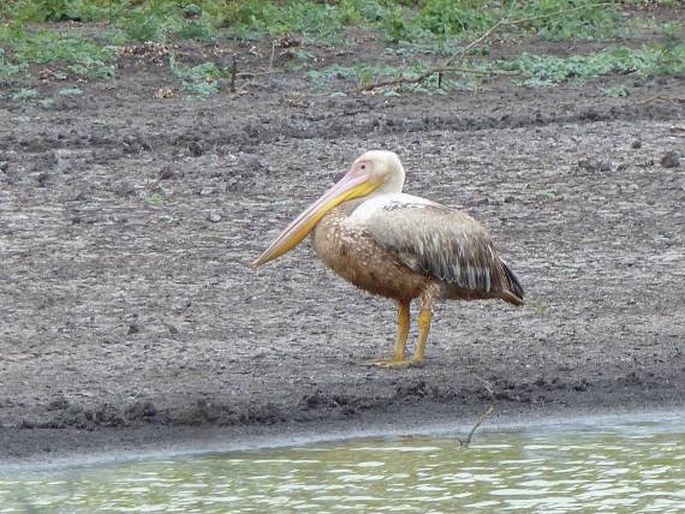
x,y
446,245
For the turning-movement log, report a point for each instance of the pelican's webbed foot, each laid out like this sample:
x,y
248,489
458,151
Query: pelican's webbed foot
x,y
393,363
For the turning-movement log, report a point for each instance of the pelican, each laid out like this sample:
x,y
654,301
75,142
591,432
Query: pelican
x,y
399,246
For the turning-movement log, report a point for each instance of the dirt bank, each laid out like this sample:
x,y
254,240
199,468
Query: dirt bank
x,y
127,221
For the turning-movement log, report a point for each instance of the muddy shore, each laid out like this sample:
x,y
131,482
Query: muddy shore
x,y
131,319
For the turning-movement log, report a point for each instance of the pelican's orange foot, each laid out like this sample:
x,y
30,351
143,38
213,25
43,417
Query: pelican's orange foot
x,y
392,363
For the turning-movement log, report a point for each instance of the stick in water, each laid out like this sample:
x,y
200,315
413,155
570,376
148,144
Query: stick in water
x,y
464,443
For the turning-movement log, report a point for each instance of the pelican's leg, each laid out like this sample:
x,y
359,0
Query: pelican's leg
x,y
398,354
398,359
425,317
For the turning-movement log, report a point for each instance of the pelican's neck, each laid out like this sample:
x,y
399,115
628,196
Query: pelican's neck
x,y
377,196
349,207
395,181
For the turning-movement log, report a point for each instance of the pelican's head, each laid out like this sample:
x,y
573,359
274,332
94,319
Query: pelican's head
x,y
374,172
381,166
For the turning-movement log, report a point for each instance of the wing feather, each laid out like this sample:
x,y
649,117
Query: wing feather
x,y
443,243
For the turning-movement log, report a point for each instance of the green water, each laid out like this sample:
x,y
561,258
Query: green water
x,y
622,467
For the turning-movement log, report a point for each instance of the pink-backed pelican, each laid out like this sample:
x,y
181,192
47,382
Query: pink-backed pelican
x,y
399,246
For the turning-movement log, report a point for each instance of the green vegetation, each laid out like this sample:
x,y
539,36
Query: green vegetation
x,y
25,95
530,70
75,55
616,91
155,200
414,33
200,80
8,69
422,19
547,193
70,91
542,308
645,61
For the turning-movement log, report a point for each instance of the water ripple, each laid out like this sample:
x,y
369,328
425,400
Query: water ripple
x,y
625,468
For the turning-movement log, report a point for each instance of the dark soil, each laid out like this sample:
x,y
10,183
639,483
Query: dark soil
x,y
129,213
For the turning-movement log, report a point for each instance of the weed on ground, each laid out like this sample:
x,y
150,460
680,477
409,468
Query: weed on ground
x,y
81,40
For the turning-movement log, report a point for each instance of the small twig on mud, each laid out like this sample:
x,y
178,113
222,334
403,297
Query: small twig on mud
x,y
234,73
485,35
487,387
432,71
151,185
273,51
464,443
662,98
461,54
480,72
250,74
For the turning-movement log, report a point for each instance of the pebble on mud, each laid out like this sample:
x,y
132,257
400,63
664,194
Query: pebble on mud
x,y
594,166
670,159
214,217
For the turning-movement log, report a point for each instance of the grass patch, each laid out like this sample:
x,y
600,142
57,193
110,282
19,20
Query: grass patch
x,y
199,81
46,103
582,20
70,91
453,17
399,20
164,21
421,20
40,11
8,69
541,70
542,308
414,30
73,55
530,70
155,200
314,22
616,91
25,95
344,77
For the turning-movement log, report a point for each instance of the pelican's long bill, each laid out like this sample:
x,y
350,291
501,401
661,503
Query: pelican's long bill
x,y
353,185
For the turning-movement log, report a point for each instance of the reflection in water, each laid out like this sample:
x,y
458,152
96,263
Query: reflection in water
x,y
621,468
